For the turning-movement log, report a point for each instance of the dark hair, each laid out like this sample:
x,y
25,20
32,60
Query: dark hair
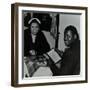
x,y
34,21
73,30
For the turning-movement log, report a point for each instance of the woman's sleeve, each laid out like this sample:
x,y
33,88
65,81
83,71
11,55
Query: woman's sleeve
x,y
45,43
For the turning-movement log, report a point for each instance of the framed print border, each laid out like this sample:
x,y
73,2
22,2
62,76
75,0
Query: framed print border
x,y
15,35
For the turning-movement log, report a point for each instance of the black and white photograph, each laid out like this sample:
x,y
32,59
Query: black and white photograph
x,y
51,44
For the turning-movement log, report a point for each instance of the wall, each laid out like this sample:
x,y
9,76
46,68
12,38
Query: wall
x,y
50,39
5,45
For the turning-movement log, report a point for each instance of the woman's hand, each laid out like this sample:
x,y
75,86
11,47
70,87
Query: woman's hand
x,y
32,52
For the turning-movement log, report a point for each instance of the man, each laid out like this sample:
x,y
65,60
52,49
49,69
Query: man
x,y
70,63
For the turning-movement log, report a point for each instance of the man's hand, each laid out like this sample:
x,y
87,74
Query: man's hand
x,y
59,52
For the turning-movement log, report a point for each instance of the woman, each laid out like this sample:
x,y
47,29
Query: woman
x,y
34,40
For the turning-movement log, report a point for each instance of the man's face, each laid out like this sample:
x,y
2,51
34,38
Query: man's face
x,y
34,28
68,38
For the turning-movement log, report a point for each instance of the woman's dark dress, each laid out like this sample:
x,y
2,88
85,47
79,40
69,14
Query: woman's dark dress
x,y
41,45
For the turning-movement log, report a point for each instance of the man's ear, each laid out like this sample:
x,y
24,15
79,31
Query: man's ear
x,y
75,36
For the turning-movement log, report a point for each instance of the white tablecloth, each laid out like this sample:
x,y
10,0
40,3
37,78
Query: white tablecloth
x,y
43,71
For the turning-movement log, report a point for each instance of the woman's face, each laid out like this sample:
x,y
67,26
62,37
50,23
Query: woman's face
x,y
68,38
34,28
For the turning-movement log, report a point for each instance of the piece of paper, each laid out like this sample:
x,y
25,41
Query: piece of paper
x,y
54,55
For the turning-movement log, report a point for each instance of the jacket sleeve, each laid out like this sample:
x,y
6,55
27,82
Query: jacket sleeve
x,y
55,70
68,64
43,44
46,46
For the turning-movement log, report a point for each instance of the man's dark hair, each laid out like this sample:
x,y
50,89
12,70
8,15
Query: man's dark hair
x,y
73,30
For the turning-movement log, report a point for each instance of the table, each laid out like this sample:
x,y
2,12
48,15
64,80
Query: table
x,y
31,69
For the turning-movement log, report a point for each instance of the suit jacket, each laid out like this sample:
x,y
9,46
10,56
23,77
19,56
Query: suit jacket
x,y
70,64
41,45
